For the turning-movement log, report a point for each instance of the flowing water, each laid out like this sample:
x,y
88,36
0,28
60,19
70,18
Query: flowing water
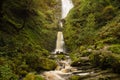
x,y
64,70
67,5
60,43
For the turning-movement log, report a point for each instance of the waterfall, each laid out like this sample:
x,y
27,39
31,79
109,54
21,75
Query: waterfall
x,y
67,5
60,43
63,69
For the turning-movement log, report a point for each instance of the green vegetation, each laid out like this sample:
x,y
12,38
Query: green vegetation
x,y
105,60
32,76
25,26
28,34
115,49
6,73
75,78
92,30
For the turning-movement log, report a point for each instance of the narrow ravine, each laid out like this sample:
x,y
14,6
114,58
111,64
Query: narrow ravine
x,y
64,70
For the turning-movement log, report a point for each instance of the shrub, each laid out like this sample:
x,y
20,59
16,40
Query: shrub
x,y
36,62
115,48
6,73
95,58
103,59
61,56
86,53
116,64
106,60
47,64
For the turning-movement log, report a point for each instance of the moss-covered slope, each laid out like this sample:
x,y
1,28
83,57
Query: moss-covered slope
x,y
92,29
27,36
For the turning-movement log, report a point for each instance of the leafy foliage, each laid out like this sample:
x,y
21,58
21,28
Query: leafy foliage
x,y
6,73
92,29
88,19
115,49
25,26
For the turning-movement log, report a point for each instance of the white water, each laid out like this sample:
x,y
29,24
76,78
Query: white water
x,y
62,72
64,69
60,43
61,24
67,5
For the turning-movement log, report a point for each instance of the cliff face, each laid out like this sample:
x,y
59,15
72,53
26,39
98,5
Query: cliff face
x,y
27,36
24,23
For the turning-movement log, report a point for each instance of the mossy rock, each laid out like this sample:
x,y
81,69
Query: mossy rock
x,y
32,76
75,77
47,64
76,62
98,58
38,62
61,56
106,60
86,53
75,57
115,48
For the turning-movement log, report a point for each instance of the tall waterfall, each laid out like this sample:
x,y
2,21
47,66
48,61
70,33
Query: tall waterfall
x,y
67,5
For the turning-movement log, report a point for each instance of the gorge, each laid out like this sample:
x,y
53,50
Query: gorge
x,y
86,71
63,69
59,40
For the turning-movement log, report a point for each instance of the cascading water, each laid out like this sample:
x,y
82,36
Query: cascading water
x,y
60,43
61,73
63,70
66,6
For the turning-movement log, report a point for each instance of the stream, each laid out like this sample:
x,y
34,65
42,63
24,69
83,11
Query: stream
x,y
64,70
85,71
